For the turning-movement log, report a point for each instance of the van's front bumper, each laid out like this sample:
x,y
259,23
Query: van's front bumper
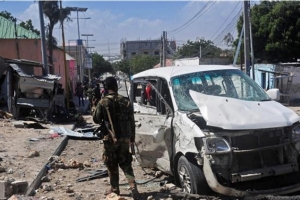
x,y
217,187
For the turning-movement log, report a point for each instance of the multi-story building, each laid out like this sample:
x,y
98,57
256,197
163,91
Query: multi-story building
x,y
76,51
145,47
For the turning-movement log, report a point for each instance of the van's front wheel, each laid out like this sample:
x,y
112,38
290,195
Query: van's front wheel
x,y
191,177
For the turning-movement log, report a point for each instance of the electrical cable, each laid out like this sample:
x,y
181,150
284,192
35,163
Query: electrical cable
x,y
193,19
226,19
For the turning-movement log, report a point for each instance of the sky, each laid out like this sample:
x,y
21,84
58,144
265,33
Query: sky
x,y
114,21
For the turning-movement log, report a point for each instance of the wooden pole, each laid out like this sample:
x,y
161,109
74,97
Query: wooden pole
x,y
65,62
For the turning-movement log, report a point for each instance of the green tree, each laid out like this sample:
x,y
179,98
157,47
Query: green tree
x,y
192,49
142,62
7,15
275,31
123,66
54,14
100,65
27,25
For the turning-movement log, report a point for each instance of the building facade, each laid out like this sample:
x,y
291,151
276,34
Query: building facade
x,y
145,47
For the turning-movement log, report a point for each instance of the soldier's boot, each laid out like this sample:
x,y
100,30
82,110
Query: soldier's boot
x,y
112,190
134,191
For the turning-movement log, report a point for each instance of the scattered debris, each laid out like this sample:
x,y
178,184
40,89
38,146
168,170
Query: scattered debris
x,y
2,169
9,188
33,153
100,173
33,139
69,190
68,132
158,174
10,171
45,179
47,188
18,124
170,186
32,124
114,196
5,115
19,197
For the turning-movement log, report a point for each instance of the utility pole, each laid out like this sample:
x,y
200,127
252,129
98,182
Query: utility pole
x,y
200,53
65,62
43,39
108,50
87,46
164,48
246,37
161,52
79,41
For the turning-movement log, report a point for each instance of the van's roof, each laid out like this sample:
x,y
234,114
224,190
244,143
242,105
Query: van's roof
x,y
168,72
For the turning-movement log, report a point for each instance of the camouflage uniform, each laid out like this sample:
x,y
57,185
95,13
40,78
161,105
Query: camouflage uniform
x,y
117,154
90,94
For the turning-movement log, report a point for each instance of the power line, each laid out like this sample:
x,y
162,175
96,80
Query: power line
x,y
229,26
226,19
193,19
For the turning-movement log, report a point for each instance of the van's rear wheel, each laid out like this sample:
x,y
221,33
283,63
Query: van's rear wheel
x,y
191,177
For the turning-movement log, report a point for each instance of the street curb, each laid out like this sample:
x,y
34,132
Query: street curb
x,y
37,181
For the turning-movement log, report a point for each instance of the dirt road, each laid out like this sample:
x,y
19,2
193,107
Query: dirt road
x,y
24,152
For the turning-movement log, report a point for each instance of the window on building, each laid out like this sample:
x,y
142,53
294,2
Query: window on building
x,y
156,53
146,53
133,53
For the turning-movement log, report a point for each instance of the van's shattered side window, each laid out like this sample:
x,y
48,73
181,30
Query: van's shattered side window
x,y
226,83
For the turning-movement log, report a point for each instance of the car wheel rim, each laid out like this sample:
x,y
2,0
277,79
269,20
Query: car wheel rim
x,y
185,179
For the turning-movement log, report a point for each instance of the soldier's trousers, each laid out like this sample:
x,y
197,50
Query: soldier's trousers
x,y
116,155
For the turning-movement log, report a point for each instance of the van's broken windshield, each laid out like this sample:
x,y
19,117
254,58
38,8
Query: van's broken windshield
x,y
225,83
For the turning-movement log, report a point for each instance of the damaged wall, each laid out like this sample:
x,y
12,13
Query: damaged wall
x,y
30,49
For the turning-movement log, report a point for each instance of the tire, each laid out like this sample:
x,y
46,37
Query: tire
x,y
191,177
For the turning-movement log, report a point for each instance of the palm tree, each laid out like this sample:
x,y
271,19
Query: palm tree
x,y
54,14
228,39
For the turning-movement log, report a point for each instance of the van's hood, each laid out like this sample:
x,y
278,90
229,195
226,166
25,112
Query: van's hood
x,y
235,114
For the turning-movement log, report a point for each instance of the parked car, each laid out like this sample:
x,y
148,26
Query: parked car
x,y
214,128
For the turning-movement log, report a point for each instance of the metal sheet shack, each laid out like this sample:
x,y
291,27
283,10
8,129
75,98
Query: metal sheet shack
x,y
28,94
284,76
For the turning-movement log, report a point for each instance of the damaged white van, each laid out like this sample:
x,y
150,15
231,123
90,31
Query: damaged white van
x,y
214,128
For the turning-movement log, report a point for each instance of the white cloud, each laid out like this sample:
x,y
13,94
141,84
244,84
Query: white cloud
x,y
31,13
110,27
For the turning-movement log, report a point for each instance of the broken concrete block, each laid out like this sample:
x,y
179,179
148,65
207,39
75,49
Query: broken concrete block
x,y
2,169
69,190
45,179
18,124
33,154
19,187
5,190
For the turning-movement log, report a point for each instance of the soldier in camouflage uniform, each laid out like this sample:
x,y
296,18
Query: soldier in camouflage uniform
x,y
116,112
90,94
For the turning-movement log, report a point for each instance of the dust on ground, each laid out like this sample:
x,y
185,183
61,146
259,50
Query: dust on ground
x,y
25,151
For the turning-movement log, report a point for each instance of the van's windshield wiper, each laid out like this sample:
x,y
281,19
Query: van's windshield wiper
x,y
265,100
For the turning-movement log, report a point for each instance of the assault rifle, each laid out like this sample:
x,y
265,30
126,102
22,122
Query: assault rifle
x,y
99,133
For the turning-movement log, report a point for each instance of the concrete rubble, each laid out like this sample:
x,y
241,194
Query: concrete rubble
x,y
7,188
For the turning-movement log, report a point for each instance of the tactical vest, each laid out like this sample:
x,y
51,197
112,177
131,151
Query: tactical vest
x,y
120,112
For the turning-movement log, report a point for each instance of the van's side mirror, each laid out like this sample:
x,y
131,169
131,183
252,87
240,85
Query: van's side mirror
x,y
274,94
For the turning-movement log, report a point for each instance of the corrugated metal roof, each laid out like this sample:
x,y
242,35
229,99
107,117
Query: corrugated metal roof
x,y
7,30
21,73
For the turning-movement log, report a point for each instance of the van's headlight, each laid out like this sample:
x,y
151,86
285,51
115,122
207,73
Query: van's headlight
x,y
216,145
296,132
